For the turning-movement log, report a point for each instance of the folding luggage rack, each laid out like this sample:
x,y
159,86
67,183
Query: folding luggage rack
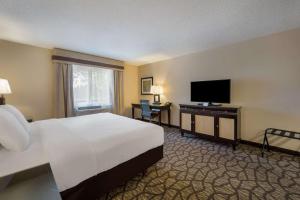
x,y
278,132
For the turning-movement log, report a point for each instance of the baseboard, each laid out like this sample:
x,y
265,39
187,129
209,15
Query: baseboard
x,y
171,125
255,144
164,124
273,148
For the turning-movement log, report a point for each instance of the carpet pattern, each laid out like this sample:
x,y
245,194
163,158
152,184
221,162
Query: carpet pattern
x,y
193,168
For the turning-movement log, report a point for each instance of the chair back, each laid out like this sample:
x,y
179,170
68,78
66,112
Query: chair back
x,y
145,106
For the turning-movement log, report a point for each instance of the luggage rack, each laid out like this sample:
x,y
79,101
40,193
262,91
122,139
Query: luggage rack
x,y
278,132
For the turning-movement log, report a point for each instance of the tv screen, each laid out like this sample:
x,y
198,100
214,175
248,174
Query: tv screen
x,y
214,91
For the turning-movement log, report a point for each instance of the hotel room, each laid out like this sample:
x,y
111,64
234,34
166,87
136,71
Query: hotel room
x,y
170,100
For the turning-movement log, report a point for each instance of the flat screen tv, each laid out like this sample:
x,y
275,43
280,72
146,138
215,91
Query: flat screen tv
x,y
214,91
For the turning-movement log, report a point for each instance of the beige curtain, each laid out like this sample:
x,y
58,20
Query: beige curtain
x,y
64,90
118,93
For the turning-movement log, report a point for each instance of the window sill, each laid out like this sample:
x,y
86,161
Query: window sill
x,y
89,108
93,108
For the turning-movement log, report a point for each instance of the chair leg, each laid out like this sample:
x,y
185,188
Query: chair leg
x,y
268,146
263,146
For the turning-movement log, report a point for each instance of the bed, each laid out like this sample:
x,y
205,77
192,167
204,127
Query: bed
x,y
88,155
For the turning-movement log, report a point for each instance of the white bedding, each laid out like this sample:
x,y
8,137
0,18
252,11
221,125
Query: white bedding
x,y
12,162
81,147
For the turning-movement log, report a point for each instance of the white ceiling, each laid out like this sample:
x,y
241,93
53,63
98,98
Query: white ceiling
x,y
143,31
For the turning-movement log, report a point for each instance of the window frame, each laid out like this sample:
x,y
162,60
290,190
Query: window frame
x,y
91,106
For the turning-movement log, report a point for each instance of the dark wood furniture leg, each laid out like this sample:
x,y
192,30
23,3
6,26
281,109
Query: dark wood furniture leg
x,y
132,112
234,146
217,113
159,117
169,117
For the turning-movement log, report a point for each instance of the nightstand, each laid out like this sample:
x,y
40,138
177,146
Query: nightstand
x,y
29,119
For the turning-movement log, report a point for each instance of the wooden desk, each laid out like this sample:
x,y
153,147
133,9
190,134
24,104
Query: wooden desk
x,y
161,107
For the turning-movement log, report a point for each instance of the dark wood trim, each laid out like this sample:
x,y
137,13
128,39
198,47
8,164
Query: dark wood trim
x,y
162,124
96,186
171,125
156,98
2,100
223,140
209,137
216,128
213,108
86,62
273,148
161,107
169,116
150,77
236,130
193,128
216,112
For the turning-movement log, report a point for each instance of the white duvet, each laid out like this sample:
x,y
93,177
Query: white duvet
x,y
81,147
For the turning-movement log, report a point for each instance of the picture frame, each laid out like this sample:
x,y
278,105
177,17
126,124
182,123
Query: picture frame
x,y
146,84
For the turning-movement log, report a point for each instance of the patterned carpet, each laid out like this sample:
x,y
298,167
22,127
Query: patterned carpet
x,y
193,168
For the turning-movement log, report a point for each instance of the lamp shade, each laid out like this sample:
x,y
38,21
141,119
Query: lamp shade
x,y
4,87
156,89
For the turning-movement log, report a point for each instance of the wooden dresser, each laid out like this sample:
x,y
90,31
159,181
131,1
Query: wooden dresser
x,y
217,123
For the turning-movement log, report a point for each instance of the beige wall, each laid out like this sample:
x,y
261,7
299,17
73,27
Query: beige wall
x,y
130,88
265,75
31,76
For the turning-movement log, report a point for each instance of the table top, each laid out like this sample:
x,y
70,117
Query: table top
x,y
152,105
164,106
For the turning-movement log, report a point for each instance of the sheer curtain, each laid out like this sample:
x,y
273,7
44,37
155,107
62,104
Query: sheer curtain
x,y
93,88
83,90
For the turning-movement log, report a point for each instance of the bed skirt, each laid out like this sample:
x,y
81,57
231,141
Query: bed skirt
x,y
102,183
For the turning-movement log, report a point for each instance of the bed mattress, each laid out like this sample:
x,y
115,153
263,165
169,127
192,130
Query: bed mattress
x,y
78,148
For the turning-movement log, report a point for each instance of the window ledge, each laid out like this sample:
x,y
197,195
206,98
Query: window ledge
x,y
93,108
89,108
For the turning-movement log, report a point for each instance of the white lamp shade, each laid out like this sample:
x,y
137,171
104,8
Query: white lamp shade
x,y
4,87
156,89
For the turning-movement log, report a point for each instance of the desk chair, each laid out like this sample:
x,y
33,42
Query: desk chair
x,y
147,113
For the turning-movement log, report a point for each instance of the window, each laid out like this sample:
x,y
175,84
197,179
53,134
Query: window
x,y
92,87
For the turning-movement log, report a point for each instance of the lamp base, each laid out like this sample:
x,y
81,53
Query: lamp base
x,y
2,100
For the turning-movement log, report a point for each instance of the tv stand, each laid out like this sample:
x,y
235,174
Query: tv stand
x,y
217,123
209,104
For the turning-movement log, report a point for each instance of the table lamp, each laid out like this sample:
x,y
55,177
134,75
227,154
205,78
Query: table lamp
x,y
156,91
4,89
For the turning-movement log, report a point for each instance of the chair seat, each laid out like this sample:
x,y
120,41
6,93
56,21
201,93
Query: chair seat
x,y
147,112
151,114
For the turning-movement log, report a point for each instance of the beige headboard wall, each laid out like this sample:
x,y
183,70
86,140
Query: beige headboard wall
x,y
31,76
265,75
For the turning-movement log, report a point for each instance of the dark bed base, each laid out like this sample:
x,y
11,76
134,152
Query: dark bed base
x,y
99,185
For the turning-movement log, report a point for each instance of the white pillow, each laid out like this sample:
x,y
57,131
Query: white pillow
x,y
13,136
18,115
